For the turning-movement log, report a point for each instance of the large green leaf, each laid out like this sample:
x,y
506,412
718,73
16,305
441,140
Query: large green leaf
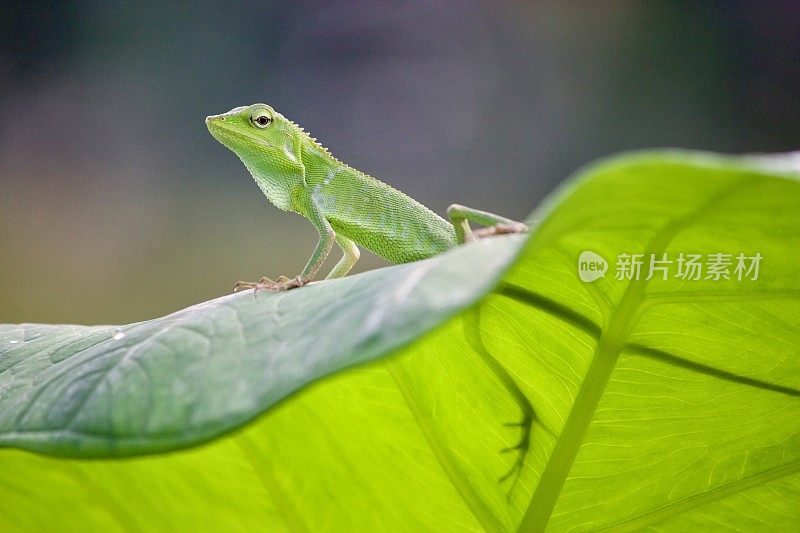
x,y
93,391
668,404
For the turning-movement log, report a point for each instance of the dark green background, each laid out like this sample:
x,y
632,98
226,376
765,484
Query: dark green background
x,y
116,205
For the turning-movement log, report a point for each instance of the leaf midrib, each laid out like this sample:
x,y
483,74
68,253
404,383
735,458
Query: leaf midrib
x,y
609,347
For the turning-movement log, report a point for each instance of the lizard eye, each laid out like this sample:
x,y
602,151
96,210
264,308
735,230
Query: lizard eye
x,y
261,119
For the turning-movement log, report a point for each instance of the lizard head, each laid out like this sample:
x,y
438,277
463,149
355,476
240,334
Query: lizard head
x,y
267,143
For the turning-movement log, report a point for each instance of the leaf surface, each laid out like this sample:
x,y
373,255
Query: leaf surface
x,y
93,391
666,404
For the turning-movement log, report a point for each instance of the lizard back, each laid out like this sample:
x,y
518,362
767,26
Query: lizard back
x,y
373,214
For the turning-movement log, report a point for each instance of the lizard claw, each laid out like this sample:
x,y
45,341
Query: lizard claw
x,y
500,229
242,285
265,284
513,227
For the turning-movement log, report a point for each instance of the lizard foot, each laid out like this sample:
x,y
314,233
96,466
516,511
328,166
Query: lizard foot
x,y
500,229
265,284
521,449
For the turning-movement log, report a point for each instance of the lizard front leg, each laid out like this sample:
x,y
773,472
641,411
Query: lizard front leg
x,y
326,239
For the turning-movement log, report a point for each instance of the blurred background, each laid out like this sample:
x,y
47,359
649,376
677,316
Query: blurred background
x,y
116,205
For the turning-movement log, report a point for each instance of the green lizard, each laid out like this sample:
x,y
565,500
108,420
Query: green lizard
x,y
349,207
345,205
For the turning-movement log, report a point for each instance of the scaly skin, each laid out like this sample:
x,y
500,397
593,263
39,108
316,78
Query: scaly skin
x,y
345,205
